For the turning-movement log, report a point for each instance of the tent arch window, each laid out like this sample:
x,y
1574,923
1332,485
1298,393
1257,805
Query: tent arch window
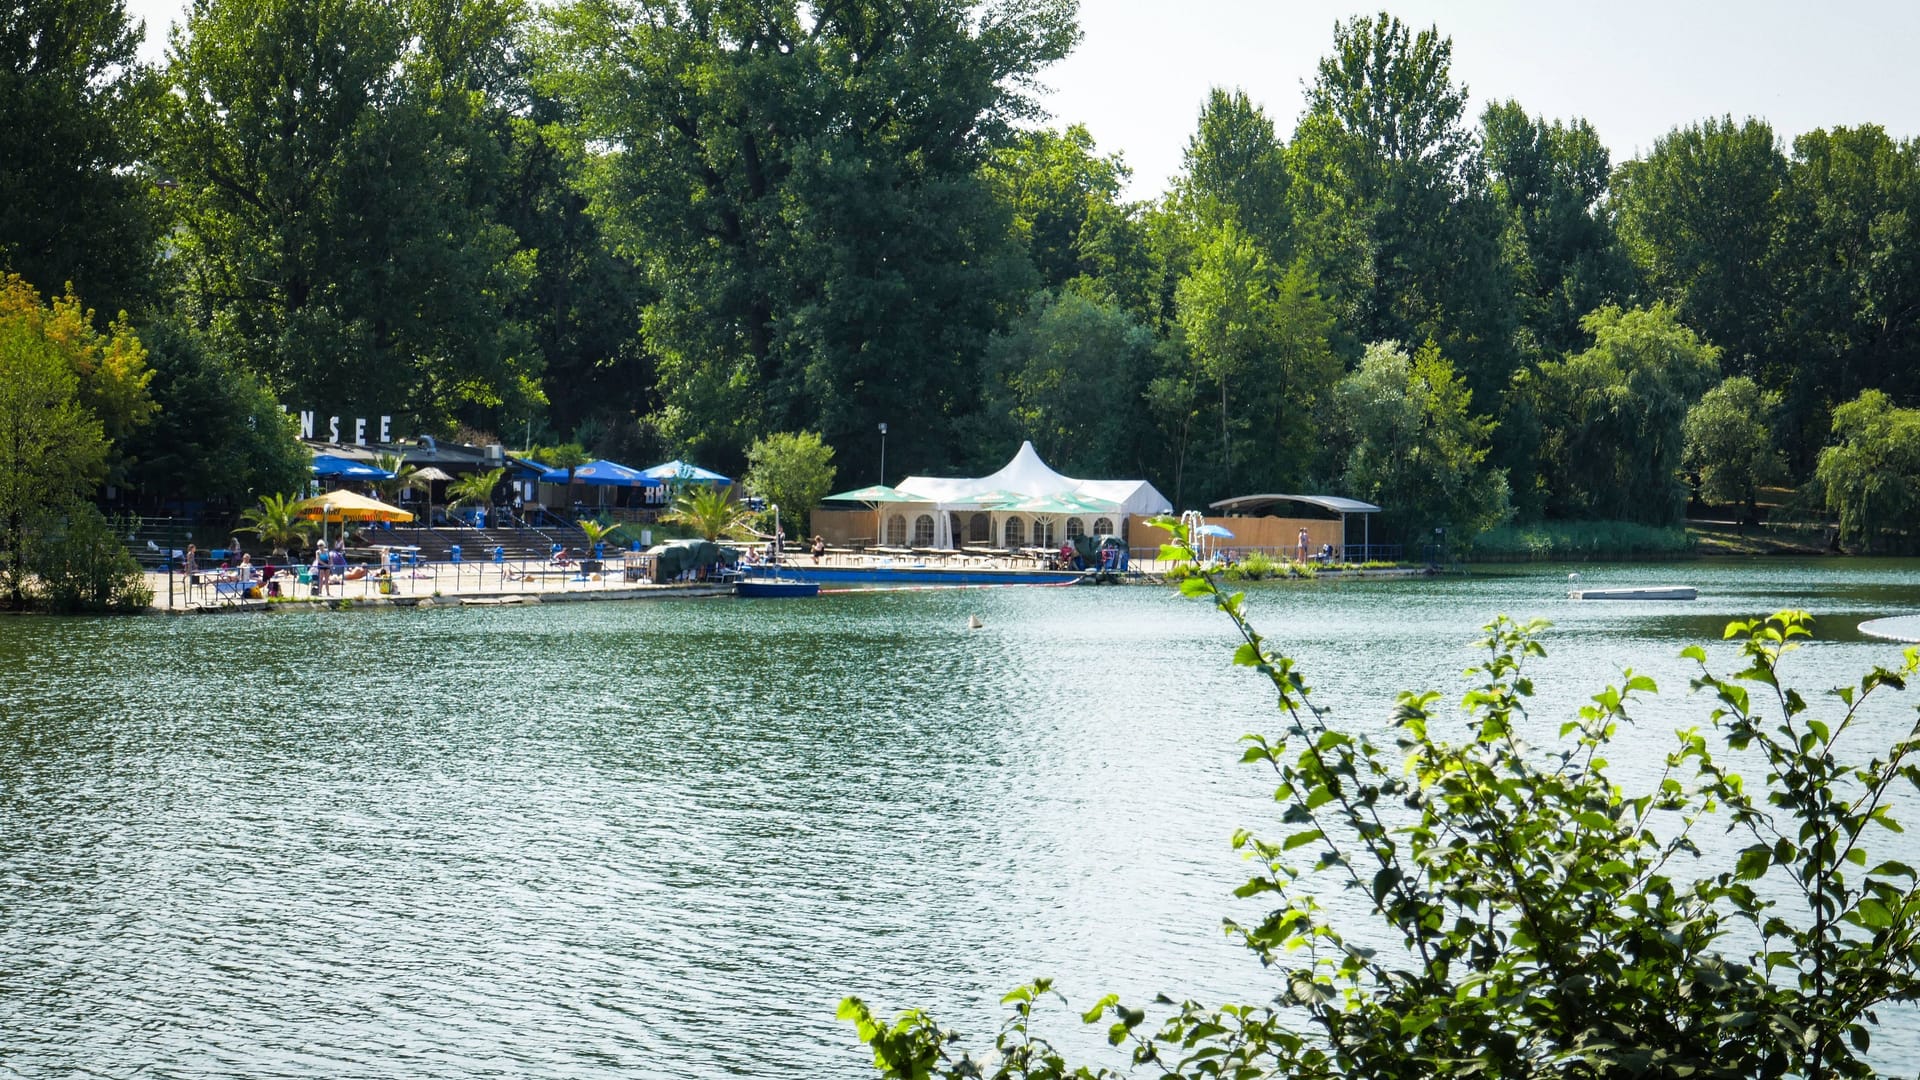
x,y
1075,528
923,531
1043,534
1016,533
980,529
897,531
1102,527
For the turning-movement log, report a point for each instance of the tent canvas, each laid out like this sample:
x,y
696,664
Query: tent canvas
x,y
1028,477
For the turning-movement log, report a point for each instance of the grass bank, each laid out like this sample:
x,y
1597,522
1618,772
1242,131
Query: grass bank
x,y
1555,541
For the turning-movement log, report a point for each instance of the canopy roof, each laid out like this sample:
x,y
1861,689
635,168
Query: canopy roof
x,y
874,493
680,470
1027,477
1247,504
600,473
333,465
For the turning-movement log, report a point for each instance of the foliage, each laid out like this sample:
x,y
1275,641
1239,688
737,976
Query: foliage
x,y
1615,413
793,470
405,477
110,367
277,523
53,448
80,564
1066,374
597,531
218,435
1560,540
333,168
710,512
1054,184
1541,919
1871,475
74,102
475,489
1413,446
568,456
803,185
1730,442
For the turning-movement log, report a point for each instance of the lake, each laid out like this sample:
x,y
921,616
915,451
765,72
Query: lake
x,y
665,838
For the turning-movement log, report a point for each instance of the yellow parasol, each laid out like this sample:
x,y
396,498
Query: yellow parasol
x,y
347,506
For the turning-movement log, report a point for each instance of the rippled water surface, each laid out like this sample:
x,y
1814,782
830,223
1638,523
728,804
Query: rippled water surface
x,y
664,839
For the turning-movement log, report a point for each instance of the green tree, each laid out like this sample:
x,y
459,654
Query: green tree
x,y
475,489
1529,916
278,522
1235,172
81,564
1392,207
803,184
110,366
1730,442
1069,375
74,101
1263,337
793,470
1055,184
1700,214
1870,476
218,435
53,450
336,166
1412,444
1612,416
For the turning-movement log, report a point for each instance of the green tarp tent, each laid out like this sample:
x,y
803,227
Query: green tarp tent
x,y
1093,551
676,557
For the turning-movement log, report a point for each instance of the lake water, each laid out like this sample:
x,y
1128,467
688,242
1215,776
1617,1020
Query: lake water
x,y
664,839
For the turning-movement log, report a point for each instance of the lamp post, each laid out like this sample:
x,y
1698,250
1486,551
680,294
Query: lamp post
x,y
883,452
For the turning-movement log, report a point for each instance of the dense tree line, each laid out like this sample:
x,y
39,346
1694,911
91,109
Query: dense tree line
x,y
678,226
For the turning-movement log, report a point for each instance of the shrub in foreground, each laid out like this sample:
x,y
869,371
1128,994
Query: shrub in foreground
x,y
1546,922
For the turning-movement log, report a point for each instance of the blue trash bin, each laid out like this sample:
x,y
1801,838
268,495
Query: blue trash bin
x,y
453,553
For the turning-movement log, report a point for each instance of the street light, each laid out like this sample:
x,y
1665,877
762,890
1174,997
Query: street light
x,y
883,453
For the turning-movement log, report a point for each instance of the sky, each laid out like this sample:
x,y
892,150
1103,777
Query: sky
x,y
1635,69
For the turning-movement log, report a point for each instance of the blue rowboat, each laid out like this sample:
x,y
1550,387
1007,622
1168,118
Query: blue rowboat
x,y
773,587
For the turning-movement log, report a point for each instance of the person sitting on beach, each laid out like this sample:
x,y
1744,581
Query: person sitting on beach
x,y
560,556
819,548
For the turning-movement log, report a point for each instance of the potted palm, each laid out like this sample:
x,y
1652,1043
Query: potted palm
x,y
277,523
597,531
475,489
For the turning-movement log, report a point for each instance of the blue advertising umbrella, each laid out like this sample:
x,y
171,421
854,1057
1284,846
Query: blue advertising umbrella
x,y
682,471
601,474
336,467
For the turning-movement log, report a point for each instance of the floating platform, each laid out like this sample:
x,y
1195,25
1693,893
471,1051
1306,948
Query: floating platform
x,y
1898,628
1643,592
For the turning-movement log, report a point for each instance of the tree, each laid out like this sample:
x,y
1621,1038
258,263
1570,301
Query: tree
x,y
1413,445
1700,214
53,449
109,367
1236,173
1069,374
74,101
80,563
218,435
1055,184
475,489
335,168
1266,336
1870,476
1526,915
1730,442
803,184
277,521
1612,416
793,470
1392,208
709,511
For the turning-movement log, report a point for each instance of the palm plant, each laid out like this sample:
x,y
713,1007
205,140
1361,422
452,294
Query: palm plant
x,y
597,530
276,521
475,489
711,512
403,477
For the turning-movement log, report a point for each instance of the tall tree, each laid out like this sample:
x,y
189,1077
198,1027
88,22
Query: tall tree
x,y
803,184
1565,257
1070,374
337,165
1612,415
1871,474
1730,443
73,105
1392,203
1236,173
1701,216
1055,184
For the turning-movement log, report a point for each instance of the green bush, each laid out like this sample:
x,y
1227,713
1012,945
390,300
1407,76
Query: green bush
x,y
1579,540
80,565
1542,919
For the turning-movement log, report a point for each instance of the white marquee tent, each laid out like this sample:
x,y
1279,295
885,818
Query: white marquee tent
x,y
1026,477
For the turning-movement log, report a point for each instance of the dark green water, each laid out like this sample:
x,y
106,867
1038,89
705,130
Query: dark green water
x,y
663,839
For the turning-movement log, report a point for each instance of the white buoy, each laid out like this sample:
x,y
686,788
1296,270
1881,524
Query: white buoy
x,y
1575,576
974,623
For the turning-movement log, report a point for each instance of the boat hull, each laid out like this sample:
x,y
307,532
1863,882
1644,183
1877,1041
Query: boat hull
x,y
924,575
767,588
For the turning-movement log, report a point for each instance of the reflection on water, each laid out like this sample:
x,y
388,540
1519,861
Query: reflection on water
x,y
666,838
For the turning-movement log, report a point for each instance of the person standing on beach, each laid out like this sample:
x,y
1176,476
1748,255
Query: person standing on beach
x,y
189,563
1303,546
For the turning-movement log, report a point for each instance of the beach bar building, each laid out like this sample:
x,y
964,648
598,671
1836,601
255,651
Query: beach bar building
x,y
1023,505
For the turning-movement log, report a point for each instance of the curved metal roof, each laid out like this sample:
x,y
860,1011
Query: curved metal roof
x,y
1335,503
